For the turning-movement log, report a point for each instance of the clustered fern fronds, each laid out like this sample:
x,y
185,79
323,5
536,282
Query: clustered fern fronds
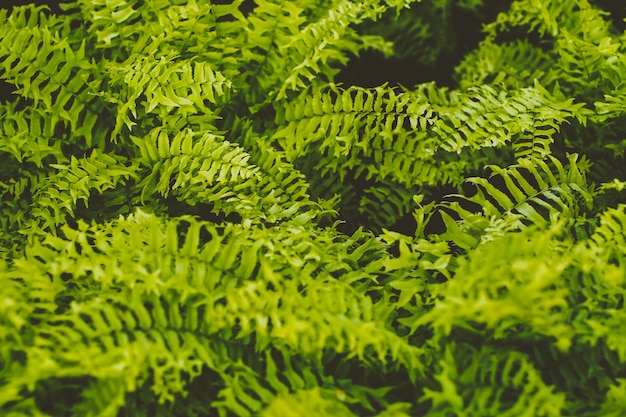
x,y
198,220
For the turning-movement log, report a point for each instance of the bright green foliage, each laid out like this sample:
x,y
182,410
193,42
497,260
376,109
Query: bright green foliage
x,y
425,32
197,220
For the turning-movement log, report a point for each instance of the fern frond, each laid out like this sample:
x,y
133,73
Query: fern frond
x,y
491,381
385,203
109,21
509,289
55,76
15,191
424,33
610,233
350,127
401,132
313,402
149,305
164,88
308,50
56,196
577,36
614,404
205,168
491,118
28,136
200,30
511,65
545,17
281,176
519,193
325,41
527,193
13,312
613,105
587,65
194,165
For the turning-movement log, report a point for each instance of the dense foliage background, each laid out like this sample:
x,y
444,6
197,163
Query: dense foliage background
x,y
227,208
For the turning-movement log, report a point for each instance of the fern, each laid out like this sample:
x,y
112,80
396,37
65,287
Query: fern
x,y
198,219
529,193
161,86
148,325
513,65
54,75
517,387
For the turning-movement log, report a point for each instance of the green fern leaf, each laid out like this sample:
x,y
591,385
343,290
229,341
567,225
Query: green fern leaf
x,y
54,75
